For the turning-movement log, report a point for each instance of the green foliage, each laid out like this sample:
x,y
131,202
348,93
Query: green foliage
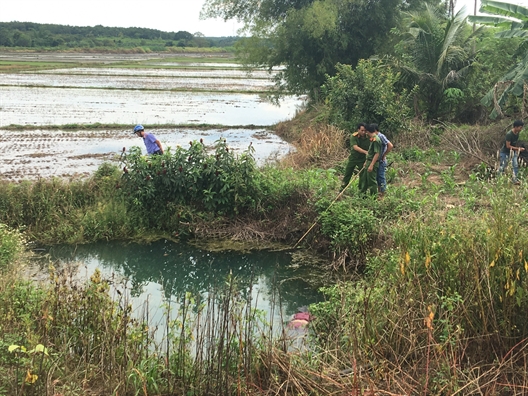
x,y
307,38
35,35
29,366
493,59
12,244
88,335
217,182
435,58
351,317
54,211
449,278
514,18
349,227
365,94
290,187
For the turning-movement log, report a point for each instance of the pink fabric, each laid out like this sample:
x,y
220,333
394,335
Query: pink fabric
x,y
300,319
302,316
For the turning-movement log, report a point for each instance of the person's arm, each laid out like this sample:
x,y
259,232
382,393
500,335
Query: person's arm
x,y
374,160
510,147
359,149
159,145
355,146
390,146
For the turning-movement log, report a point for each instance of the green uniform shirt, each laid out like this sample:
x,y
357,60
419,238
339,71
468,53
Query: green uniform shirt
x,y
512,138
361,142
375,147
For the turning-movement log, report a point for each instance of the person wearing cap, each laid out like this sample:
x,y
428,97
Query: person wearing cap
x,y
152,143
509,148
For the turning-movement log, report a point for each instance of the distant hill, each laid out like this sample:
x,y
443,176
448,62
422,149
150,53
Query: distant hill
x,y
37,35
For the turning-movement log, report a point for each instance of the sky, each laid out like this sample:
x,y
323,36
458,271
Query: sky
x,y
165,15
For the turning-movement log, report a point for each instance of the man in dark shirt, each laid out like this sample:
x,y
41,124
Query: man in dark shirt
x,y
509,149
368,177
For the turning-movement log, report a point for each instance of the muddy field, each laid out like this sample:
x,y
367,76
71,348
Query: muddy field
x,y
188,70
129,89
58,106
65,154
86,57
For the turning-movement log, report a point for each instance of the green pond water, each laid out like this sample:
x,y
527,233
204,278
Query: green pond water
x,y
277,282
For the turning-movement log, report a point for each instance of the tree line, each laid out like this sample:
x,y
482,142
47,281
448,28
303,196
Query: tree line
x,y
35,35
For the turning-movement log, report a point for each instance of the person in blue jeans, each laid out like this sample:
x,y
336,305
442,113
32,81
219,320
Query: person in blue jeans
x,y
509,149
386,147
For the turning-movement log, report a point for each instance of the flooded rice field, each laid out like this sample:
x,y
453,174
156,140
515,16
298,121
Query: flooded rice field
x,y
103,58
129,89
149,80
184,71
57,106
37,154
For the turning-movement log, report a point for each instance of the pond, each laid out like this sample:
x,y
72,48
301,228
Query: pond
x,y
160,271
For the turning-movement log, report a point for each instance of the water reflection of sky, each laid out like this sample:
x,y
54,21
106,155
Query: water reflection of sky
x,y
205,83
166,270
57,106
176,72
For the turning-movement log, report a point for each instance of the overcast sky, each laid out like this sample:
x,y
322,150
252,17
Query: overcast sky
x,y
166,15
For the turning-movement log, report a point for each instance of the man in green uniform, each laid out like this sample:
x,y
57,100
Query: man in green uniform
x,y
509,148
359,143
368,177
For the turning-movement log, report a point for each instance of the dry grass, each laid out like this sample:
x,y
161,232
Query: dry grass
x,y
318,146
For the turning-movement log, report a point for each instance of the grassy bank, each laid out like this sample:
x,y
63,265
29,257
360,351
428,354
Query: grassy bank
x,y
434,276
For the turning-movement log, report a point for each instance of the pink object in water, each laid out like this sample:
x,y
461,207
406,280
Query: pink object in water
x,y
300,319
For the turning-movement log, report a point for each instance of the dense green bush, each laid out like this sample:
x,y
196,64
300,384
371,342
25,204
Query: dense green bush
x,y
365,94
216,182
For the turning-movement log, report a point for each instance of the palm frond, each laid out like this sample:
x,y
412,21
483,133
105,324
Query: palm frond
x,y
490,21
512,34
505,9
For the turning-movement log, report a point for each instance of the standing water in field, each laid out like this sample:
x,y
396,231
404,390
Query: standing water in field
x,y
221,98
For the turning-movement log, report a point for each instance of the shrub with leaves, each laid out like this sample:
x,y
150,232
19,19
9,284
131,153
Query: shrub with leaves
x,y
365,94
217,182
11,245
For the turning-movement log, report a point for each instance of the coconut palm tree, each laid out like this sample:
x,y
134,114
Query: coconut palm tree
x,y
513,18
440,56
